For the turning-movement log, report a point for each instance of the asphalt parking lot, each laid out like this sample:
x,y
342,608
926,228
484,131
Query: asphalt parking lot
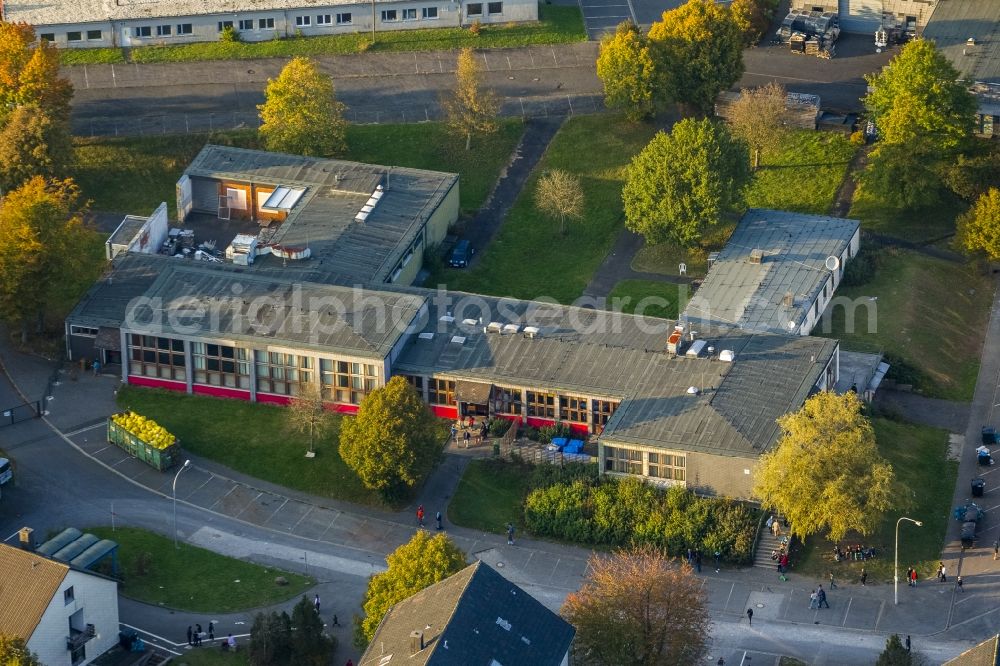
x,y
602,16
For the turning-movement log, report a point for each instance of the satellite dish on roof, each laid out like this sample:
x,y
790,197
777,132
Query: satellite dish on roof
x,y
832,263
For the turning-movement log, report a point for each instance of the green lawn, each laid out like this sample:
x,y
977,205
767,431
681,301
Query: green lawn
x,y
194,579
923,224
529,258
919,457
804,174
251,438
133,175
557,24
665,258
489,496
639,290
931,314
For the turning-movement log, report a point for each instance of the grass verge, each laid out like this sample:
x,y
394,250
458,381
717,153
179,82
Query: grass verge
x,y
654,299
557,24
930,318
529,258
133,175
803,174
489,496
919,225
252,438
193,579
919,457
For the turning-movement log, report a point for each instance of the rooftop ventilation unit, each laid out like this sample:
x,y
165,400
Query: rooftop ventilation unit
x,y
512,328
448,319
458,340
727,355
361,217
531,331
494,327
469,322
695,350
426,336
788,300
756,256
675,340
693,390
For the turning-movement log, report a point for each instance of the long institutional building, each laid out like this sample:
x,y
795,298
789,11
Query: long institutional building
x,y
326,298
128,23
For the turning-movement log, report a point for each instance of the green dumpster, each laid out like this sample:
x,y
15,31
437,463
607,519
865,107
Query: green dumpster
x,y
160,459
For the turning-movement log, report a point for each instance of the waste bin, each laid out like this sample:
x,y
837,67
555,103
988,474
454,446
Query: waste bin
x,y
978,485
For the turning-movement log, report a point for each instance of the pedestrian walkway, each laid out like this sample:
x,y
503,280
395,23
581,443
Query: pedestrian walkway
x,y
617,266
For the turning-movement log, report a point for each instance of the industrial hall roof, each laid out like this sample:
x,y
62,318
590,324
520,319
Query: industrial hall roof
x,y
209,301
770,255
597,353
54,12
344,250
951,26
27,585
475,616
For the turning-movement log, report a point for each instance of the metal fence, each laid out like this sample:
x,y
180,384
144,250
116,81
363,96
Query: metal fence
x,y
21,412
198,123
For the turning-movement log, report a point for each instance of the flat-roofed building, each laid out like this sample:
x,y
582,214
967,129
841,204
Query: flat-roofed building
x,y
129,23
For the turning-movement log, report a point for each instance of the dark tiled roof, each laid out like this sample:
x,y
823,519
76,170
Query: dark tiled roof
x,y
984,654
954,22
129,276
476,617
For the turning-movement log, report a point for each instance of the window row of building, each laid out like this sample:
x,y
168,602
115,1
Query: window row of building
x,y
231,367
652,464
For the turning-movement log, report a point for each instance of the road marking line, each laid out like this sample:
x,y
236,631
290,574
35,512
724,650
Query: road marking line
x,y
878,618
122,460
964,599
292,528
103,448
276,511
235,486
847,612
79,430
247,505
729,598
207,481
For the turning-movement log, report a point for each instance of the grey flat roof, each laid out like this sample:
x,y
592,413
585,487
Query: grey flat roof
x,y
52,12
129,276
603,354
127,230
254,307
344,251
749,295
954,22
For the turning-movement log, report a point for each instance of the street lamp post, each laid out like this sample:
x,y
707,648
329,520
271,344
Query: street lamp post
x,y
187,463
895,569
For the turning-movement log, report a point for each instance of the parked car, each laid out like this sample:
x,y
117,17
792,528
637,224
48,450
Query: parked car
x,y
461,254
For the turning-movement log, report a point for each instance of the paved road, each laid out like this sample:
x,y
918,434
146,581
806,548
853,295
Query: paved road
x,y
406,87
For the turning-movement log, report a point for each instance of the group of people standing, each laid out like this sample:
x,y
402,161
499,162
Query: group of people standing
x,y
194,636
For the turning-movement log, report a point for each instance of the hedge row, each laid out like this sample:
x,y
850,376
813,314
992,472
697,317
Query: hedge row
x,y
621,512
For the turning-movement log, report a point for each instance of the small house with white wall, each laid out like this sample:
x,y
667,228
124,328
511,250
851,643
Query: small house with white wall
x,y
66,616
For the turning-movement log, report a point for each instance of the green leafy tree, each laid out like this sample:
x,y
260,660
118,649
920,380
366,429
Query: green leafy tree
x,y
559,195
825,472
394,441
923,115
42,241
894,653
625,67
683,183
975,171
698,51
271,640
417,564
917,98
471,109
638,608
753,17
32,143
14,652
307,413
979,227
758,117
309,645
301,114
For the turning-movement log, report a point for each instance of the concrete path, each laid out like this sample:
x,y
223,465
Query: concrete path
x,y
947,414
617,266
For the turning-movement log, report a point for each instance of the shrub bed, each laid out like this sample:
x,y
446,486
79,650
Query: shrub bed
x,y
622,512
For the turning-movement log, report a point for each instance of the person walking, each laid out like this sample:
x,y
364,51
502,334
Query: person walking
x,y
438,518
913,577
958,582
864,577
190,636
718,556
996,550
197,634
821,596
750,616
420,516
510,534
697,561
909,576
316,603
467,436
96,367
335,623
211,630
942,572
813,600
907,642
833,583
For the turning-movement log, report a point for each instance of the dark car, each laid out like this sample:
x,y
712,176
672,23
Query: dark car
x,y
461,254
968,534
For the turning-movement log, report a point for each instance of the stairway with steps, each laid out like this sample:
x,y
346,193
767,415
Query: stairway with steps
x,y
767,542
